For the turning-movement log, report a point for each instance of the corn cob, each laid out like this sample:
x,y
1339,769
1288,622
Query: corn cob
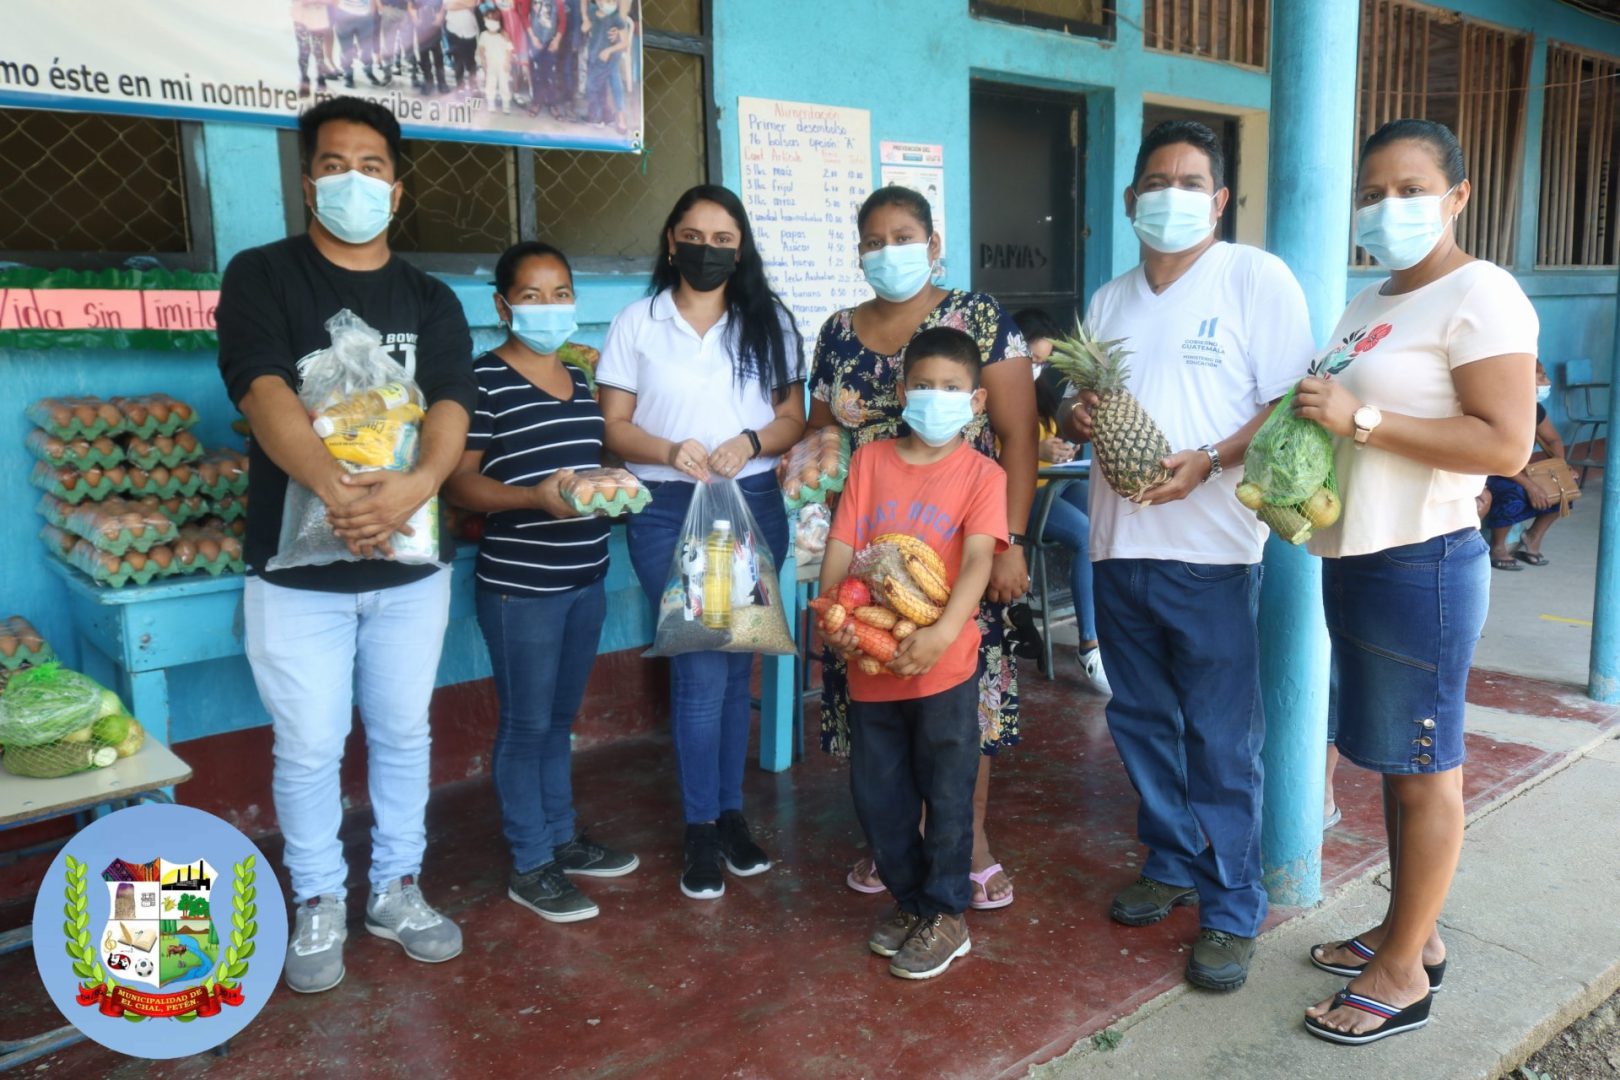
x,y
903,629
876,643
821,603
910,604
1286,522
910,545
932,585
880,617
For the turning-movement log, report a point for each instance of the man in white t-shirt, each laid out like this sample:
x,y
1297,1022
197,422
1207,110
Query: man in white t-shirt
x,y
1218,332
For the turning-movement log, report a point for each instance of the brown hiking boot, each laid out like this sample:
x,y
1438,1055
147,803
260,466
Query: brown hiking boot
x,y
1146,901
931,947
892,930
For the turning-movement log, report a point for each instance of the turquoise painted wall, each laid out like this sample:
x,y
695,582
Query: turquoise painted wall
x,y
910,62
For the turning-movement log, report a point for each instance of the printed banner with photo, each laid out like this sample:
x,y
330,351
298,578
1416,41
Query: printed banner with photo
x,y
550,73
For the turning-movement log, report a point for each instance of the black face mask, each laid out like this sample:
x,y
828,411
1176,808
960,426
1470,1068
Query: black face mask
x,y
704,266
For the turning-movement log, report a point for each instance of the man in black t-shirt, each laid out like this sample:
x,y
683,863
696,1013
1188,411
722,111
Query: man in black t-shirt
x,y
314,633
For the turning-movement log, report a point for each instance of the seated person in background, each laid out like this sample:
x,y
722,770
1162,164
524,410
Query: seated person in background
x,y
1067,523
1514,498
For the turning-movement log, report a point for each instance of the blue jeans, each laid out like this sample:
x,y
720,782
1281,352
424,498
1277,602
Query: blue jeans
x,y
1069,525
709,691
1182,651
541,648
905,755
309,651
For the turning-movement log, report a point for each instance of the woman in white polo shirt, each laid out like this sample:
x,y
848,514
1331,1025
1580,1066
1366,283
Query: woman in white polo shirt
x,y
705,378
1429,387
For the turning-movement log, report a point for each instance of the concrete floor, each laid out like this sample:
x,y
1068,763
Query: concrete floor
x,y
1540,624
774,980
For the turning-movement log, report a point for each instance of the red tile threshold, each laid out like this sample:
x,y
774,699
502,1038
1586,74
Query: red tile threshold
x,y
1535,697
774,980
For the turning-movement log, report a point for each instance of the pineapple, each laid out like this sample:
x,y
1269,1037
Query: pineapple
x,y
1128,445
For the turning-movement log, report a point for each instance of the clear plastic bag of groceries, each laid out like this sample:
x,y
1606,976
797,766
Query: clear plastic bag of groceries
x,y
369,413
723,592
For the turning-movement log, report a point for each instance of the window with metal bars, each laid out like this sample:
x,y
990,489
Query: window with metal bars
x,y
84,190
1233,31
1580,127
1422,62
465,202
1085,18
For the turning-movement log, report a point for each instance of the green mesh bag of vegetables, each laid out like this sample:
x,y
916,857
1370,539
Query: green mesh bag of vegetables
x,y
1288,478
55,722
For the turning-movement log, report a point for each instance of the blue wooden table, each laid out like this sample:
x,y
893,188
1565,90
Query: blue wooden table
x,y
133,637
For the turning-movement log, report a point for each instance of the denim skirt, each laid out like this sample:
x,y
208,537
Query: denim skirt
x,y
1404,623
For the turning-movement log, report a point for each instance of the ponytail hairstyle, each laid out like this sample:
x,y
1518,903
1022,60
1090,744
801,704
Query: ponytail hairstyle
x,y
1436,136
761,325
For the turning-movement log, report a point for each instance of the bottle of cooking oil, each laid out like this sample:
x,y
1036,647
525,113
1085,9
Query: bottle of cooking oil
x,y
717,557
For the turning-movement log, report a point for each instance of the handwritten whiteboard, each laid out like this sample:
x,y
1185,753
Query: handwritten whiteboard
x,y
805,171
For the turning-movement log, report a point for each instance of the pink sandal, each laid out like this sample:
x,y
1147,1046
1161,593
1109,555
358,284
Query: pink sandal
x,y
981,884
861,883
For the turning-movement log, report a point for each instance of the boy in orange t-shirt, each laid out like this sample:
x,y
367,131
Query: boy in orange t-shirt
x,y
914,730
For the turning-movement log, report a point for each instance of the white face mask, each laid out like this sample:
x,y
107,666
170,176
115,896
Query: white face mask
x,y
1173,219
1400,233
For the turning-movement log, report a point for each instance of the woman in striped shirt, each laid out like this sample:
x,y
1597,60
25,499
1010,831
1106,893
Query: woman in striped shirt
x,y
541,602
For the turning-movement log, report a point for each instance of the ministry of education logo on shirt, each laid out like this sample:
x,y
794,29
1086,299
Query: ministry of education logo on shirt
x,y
1203,349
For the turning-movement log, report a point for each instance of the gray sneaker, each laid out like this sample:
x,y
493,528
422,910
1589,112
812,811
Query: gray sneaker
x,y
1147,901
399,913
546,892
1220,961
583,856
315,953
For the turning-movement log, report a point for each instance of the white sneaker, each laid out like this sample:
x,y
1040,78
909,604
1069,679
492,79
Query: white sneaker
x,y
1091,661
400,913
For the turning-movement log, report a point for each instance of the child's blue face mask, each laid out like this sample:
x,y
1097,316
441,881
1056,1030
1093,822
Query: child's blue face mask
x,y
937,416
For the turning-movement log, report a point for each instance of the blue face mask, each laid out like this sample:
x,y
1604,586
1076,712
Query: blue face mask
x,y
354,207
937,416
1543,392
1400,233
897,272
543,327
1172,219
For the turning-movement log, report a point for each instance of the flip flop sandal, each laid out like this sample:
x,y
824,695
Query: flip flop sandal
x,y
1506,564
1396,1021
862,883
1435,972
1534,558
981,882
1333,819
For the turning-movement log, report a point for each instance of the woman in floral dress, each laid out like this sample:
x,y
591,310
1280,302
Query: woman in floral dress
x,y
852,383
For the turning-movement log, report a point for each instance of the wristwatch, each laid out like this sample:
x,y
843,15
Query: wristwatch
x,y
1214,462
1366,418
753,438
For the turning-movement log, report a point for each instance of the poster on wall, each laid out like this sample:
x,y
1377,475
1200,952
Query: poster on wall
x,y
805,171
449,69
